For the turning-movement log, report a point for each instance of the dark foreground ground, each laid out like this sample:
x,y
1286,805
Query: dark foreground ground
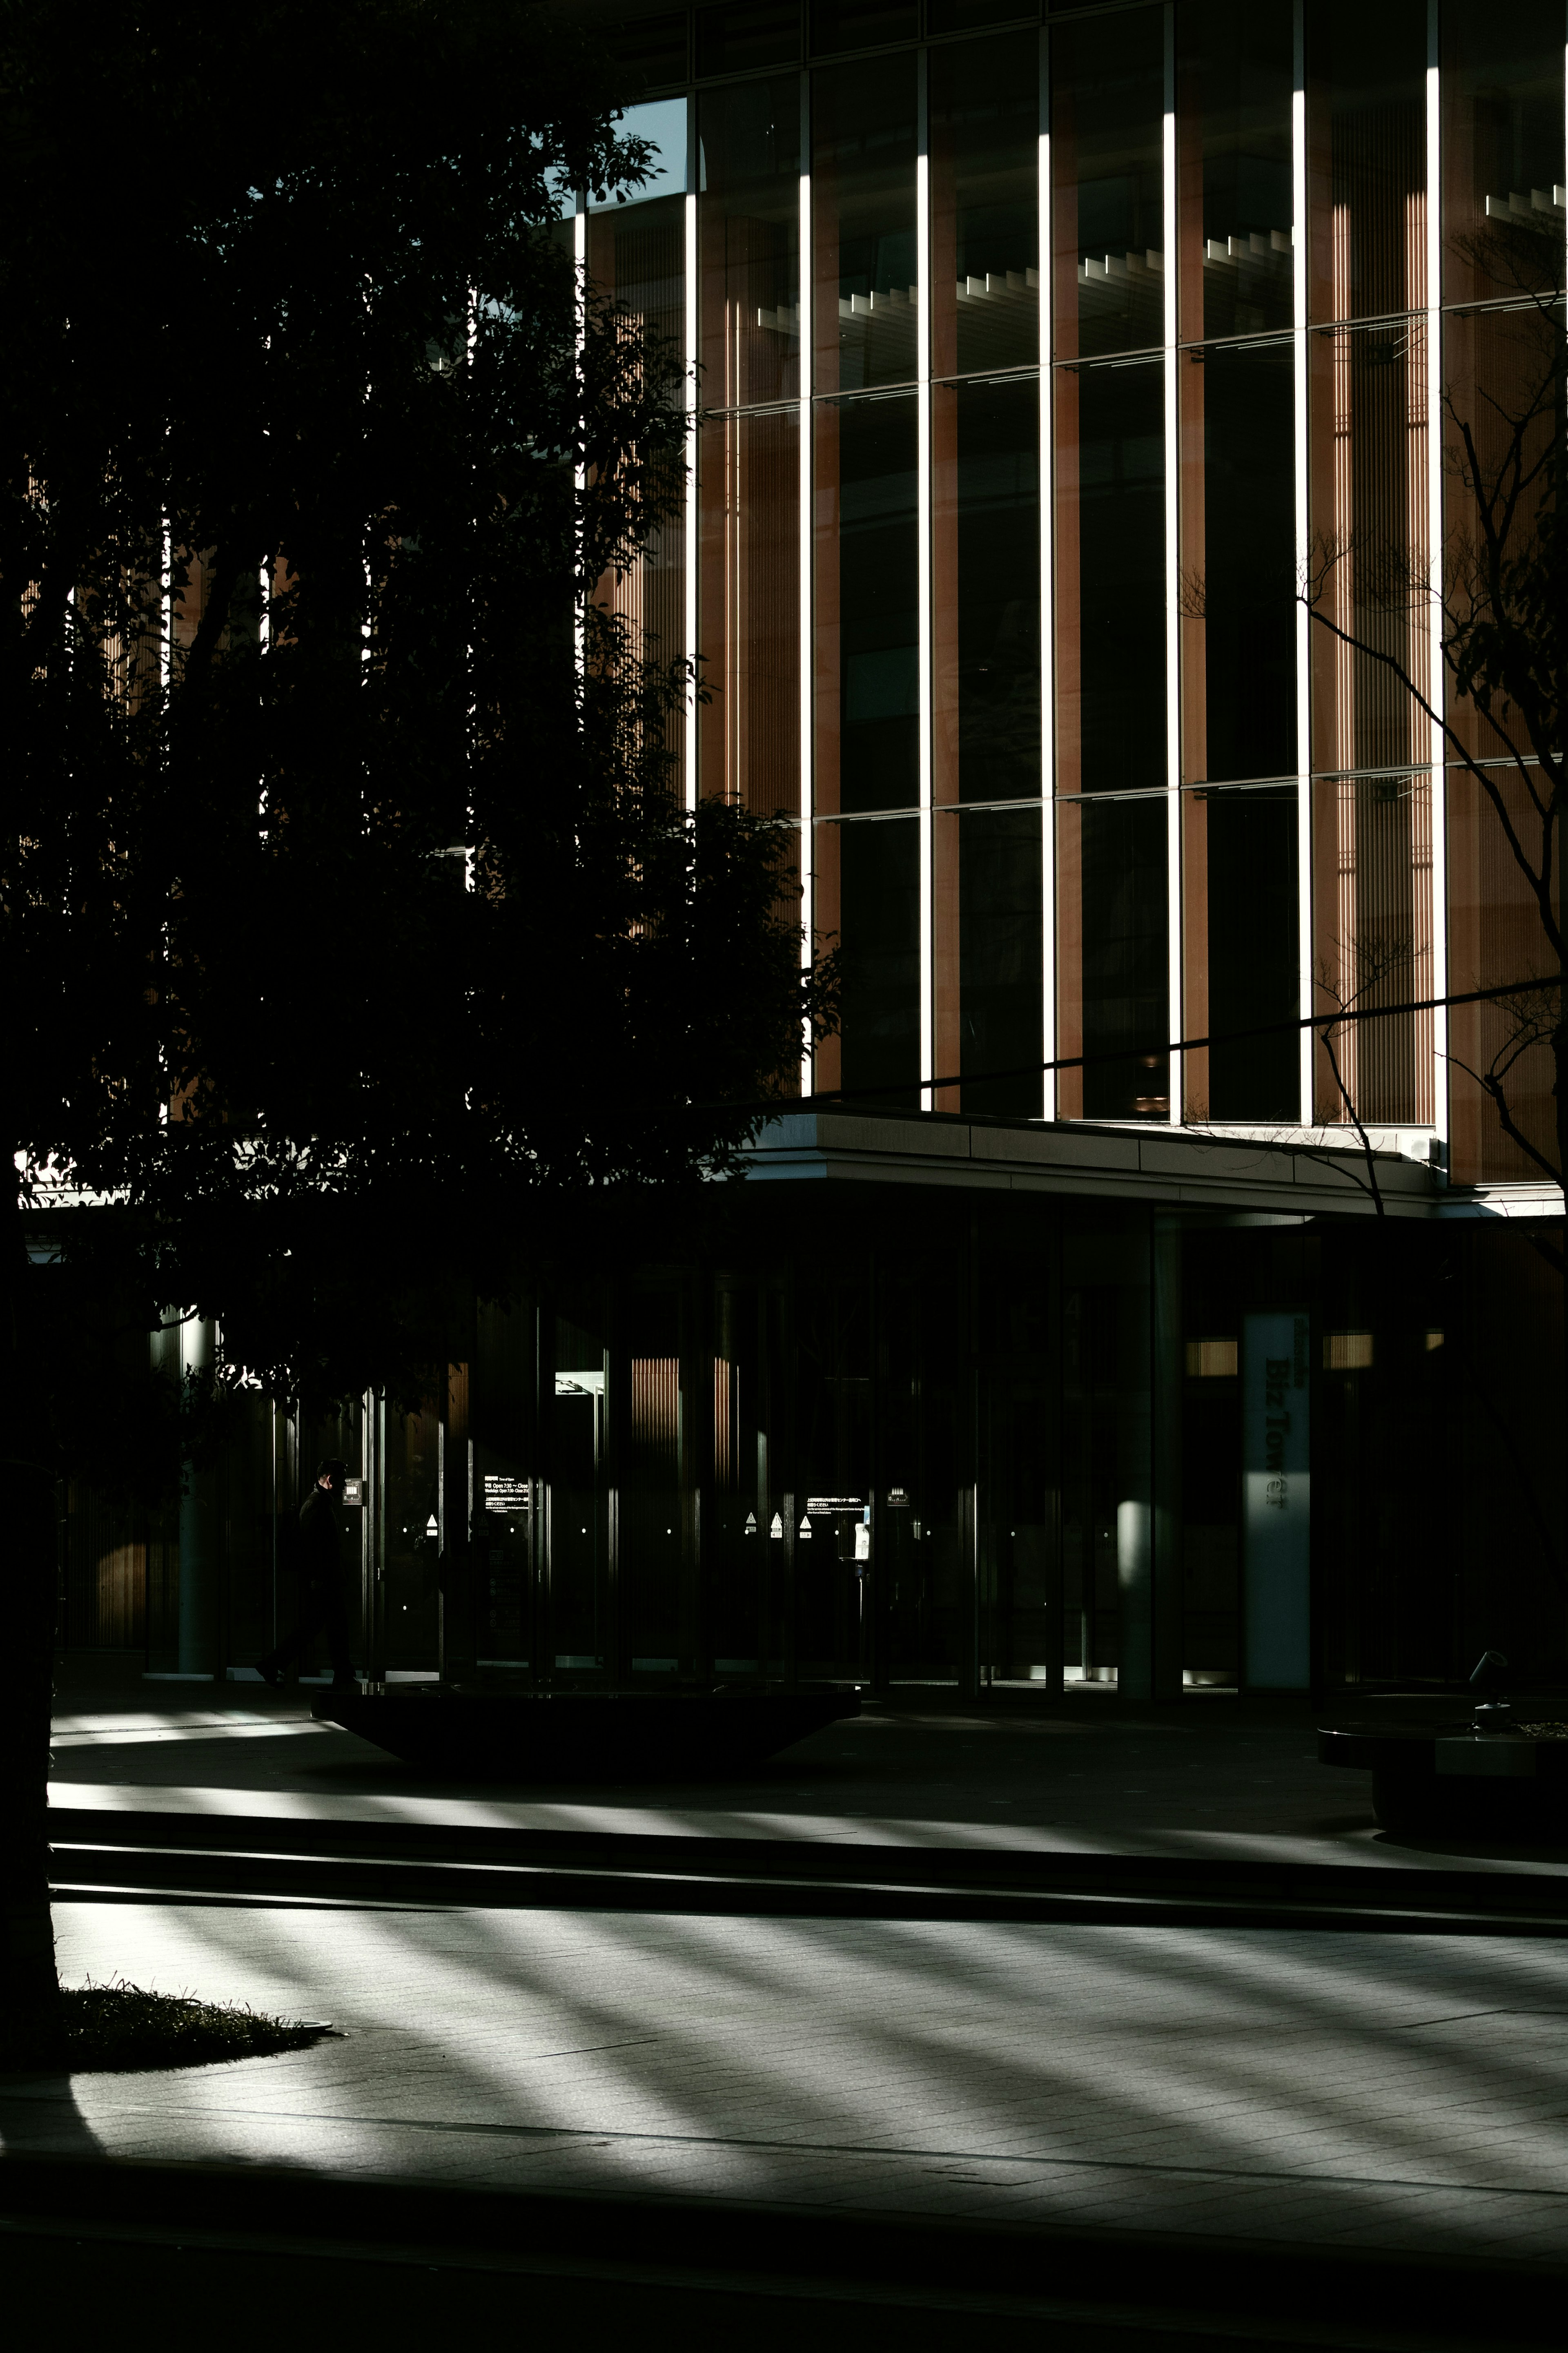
x,y
1135,2030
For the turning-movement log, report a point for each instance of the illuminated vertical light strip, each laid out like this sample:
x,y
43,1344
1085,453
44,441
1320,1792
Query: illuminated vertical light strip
x,y
1439,798
692,177
1177,1079
1048,622
580,474
923,590
807,809
1303,619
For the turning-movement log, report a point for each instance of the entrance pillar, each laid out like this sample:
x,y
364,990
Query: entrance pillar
x,y
201,1526
1166,1372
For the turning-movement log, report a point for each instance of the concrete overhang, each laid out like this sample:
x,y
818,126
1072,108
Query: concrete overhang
x,y
1228,1175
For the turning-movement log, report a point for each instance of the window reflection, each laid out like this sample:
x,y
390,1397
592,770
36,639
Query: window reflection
x,y
1108,101
1503,200
740,34
867,605
985,568
862,24
636,259
749,728
1114,980
1238,723
865,297
1234,71
749,214
1111,578
1500,373
988,946
1366,157
1371,806
868,900
985,217
1238,562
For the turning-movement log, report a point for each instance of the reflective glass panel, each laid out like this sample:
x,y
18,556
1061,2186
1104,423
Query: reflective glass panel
x,y
917,1521
972,16
749,727
579,1625
1366,157
744,34
1371,808
636,259
868,900
655,1517
1108,100
985,572
1500,372
749,241
833,1421
1238,562
867,625
863,224
1238,721
988,954
1239,869
1110,581
986,216
862,24
1502,148
1234,77
1115,979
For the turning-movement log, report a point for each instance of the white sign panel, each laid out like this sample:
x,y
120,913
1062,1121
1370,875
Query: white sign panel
x,y
1276,1501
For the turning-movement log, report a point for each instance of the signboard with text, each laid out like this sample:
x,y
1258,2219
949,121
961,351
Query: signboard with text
x,y
1276,1501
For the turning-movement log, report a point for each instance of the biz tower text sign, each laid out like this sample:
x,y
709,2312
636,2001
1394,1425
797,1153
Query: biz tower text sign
x,y
1276,1501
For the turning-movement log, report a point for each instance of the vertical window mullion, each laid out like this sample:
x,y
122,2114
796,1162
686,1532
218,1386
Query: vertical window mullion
x,y
924,294
1435,691
1177,1080
690,514
1303,619
808,651
1047,609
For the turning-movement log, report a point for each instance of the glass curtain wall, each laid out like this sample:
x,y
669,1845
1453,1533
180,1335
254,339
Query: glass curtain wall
x,y
866,659
1368,460
1232,337
1107,105
985,639
749,460
1235,590
636,263
987,850
1503,227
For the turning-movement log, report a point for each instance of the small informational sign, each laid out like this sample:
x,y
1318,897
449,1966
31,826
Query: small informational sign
x,y
354,1492
822,1503
862,1543
1275,1484
505,1493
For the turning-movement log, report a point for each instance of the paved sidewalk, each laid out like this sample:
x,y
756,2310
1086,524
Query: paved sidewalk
x,y
1394,2092
1399,2092
1213,1778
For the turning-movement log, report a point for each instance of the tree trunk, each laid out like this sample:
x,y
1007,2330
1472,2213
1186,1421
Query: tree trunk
x,y
30,1989
1560,1100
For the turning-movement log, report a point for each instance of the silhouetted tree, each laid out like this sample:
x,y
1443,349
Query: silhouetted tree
x,y
355,924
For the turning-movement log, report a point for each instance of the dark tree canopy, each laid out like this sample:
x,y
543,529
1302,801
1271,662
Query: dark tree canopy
x,y
354,930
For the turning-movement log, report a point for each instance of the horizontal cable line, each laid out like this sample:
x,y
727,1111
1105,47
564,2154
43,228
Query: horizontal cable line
x,y
1208,786
780,1104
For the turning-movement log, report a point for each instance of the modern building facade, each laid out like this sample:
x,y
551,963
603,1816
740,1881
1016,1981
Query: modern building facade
x,y
1077,469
